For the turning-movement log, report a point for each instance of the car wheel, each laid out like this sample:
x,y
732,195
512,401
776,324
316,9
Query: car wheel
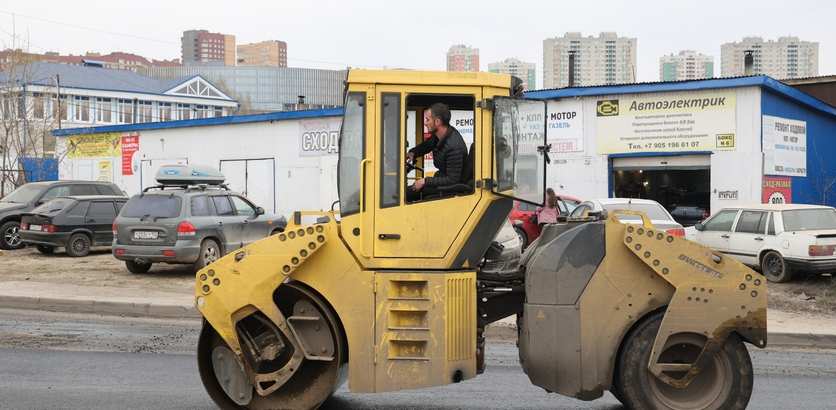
x,y
209,252
522,236
725,381
138,267
78,245
10,236
46,249
775,268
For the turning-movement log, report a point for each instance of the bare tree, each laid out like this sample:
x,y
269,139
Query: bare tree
x,y
27,118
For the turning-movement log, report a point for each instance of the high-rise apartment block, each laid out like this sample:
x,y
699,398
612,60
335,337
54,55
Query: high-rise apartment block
x,y
203,47
271,53
606,59
687,65
788,57
520,69
462,58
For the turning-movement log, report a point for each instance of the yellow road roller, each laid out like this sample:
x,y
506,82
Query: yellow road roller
x,y
394,291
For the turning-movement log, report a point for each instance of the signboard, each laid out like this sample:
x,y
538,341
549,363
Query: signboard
x,y
776,190
784,146
130,145
666,122
105,171
318,137
93,145
564,126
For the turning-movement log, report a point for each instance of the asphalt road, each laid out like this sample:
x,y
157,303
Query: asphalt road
x,y
86,362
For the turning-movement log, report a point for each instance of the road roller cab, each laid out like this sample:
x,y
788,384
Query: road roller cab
x,y
395,293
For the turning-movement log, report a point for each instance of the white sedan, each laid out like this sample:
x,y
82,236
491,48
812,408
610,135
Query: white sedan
x,y
778,239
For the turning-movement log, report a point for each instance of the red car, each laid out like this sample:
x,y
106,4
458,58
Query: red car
x,y
523,217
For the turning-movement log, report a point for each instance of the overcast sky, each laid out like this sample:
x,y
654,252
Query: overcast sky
x,y
336,34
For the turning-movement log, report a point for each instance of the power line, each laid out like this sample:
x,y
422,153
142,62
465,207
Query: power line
x,y
77,26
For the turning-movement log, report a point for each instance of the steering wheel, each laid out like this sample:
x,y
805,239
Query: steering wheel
x,y
410,165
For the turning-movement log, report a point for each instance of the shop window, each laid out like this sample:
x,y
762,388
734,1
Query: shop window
x,y
165,111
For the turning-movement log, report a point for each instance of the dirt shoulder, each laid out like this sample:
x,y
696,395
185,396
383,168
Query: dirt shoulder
x,y
814,294
99,268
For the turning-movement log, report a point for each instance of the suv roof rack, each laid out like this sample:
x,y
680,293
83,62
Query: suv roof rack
x,y
187,187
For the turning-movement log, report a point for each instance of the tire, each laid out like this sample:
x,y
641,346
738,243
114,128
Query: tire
x,y
10,236
725,383
78,245
775,268
523,238
138,267
210,251
46,249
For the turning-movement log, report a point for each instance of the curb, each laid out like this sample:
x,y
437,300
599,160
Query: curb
x,y
110,308
508,333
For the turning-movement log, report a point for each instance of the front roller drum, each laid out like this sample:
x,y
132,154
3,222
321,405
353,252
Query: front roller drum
x,y
227,383
725,382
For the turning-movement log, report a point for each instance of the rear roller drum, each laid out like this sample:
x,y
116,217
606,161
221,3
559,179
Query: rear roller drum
x,y
725,382
311,383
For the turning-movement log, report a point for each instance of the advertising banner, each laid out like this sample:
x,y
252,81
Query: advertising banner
x,y
564,127
318,137
130,145
666,122
784,146
94,145
777,190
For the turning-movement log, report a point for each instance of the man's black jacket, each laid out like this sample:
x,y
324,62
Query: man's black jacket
x,y
449,156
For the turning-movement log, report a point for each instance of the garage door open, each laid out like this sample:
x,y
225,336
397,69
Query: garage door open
x,y
682,184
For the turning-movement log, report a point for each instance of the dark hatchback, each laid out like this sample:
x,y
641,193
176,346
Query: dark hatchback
x,y
75,223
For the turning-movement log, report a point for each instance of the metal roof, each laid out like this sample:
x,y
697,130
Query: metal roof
x,y
763,81
93,78
203,122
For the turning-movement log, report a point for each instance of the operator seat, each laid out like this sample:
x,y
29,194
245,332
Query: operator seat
x,y
466,186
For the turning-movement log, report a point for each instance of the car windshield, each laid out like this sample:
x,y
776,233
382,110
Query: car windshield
x,y
809,219
23,195
152,206
653,211
54,206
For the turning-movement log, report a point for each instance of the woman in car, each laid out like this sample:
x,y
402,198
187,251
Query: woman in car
x,y
548,214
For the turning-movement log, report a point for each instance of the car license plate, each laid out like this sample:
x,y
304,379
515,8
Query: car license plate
x,y
34,227
146,235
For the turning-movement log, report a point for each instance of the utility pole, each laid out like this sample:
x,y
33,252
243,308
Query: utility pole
x,y
58,98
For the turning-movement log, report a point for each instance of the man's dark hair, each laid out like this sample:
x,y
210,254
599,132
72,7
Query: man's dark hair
x,y
442,112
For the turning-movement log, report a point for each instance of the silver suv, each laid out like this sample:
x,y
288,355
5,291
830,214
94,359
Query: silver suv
x,y
187,225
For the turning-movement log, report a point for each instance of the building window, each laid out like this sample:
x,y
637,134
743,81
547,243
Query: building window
x,y
219,111
184,111
201,111
144,111
165,111
126,111
59,108
82,109
39,109
104,110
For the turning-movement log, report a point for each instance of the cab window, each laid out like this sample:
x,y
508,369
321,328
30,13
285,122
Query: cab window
x,y
418,136
390,193
352,152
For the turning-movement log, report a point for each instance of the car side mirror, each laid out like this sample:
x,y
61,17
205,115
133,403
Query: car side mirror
x,y
259,211
699,227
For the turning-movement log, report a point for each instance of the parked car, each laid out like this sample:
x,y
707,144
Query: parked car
x,y
28,196
689,215
523,217
777,239
188,225
659,216
75,223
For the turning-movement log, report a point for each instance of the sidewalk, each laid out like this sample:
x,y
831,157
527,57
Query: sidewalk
x,y
785,329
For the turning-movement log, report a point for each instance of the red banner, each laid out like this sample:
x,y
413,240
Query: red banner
x,y
130,145
776,190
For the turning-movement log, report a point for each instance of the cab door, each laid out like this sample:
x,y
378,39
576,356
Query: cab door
x,y
519,149
425,228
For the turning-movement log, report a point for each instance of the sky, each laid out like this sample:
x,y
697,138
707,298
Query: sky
x,y
377,34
